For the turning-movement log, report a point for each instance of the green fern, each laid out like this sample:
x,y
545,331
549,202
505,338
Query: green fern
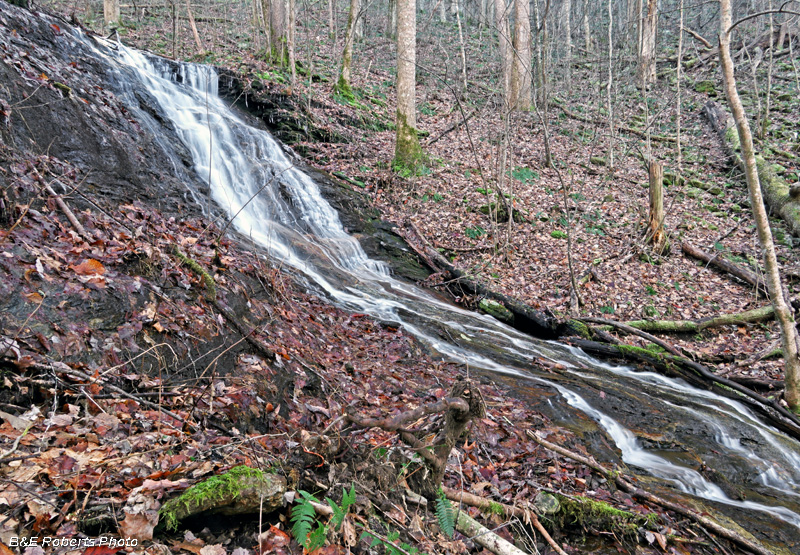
x,y
339,512
445,514
303,518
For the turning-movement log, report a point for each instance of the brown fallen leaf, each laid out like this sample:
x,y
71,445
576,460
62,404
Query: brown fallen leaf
x,y
89,267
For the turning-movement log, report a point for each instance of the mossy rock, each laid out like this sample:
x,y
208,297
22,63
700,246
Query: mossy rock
x,y
241,490
500,214
494,308
706,87
598,161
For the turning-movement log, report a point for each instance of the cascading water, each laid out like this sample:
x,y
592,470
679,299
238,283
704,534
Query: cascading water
x,y
281,209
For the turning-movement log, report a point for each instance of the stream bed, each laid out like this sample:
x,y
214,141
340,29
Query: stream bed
x,y
682,442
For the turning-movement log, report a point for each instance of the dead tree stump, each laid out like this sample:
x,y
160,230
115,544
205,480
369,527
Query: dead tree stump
x,y
655,230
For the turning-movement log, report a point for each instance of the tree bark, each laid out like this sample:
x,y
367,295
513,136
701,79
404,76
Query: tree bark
x,y
783,312
504,39
344,85
647,51
275,29
775,190
521,66
407,152
111,11
655,233
193,26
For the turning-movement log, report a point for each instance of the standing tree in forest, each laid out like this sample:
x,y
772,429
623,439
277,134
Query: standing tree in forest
x,y
407,152
783,312
275,28
521,68
343,85
647,46
506,51
111,12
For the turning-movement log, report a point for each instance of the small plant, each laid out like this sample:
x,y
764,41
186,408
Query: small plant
x,y
526,175
340,512
445,514
303,518
389,543
607,309
474,232
558,234
650,290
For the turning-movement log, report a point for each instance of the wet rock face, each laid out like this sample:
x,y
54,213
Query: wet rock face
x,y
64,102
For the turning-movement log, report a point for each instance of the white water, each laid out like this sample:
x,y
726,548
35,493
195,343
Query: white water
x,y
246,170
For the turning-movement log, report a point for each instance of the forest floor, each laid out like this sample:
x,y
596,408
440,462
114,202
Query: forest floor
x,y
180,425
603,210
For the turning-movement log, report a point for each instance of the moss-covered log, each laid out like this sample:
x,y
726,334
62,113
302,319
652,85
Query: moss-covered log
x,y
700,376
241,490
774,188
694,326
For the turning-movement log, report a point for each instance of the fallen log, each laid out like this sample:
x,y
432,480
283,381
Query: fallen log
x,y
726,266
517,314
622,128
700,376
754,316
484,537
774,188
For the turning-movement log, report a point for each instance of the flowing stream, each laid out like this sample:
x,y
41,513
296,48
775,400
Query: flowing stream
x,y
663,427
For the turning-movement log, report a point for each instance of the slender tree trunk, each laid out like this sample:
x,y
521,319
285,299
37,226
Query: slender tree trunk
x,y
484,7
506,53
275,29
463,50
407,151
783,313
587,30
610,106
442,11
111,11
331,21
391,19
679,100
655,232
290,39
567,16
647,51
521,66
344,85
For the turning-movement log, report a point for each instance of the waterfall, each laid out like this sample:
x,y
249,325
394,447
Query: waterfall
x,y
280,208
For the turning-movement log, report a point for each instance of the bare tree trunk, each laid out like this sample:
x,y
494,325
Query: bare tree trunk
x,y
275,29
587,30
610,106
567,16
391,20
679,100
331,21
521,66
344,85
111,11
506,53
484,7
463,50
407,151
442,11
647,52
655,232
290,39
783,313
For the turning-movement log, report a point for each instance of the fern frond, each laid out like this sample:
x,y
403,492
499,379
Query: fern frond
x,y
445,514
303,518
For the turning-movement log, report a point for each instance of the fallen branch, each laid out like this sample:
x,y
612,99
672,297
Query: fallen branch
x,y
633,330
626,485
754,316
726,266
623,128
698,37
526,515
452,128
484,537
67,212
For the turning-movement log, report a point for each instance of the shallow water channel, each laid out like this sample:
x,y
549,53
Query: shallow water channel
x,y
663,429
